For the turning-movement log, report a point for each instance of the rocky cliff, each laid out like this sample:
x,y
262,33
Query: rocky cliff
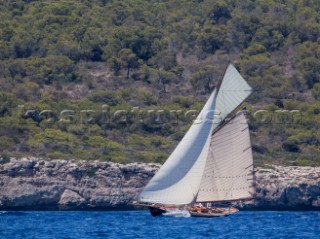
x,y
287,188
33,184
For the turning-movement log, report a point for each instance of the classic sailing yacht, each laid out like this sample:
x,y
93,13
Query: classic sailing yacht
x,y
212,163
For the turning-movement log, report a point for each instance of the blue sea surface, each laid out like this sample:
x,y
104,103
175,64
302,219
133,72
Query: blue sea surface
x,y
139,224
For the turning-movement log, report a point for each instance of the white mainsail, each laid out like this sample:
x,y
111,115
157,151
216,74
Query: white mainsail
x,y
178,180
228,174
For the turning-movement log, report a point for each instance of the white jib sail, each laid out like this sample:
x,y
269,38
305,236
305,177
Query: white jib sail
x,y
228,174
178,180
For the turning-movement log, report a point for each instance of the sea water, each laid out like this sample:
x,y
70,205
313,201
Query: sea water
x,y
140,224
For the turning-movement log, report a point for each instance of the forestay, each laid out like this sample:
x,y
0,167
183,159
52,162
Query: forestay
x,y
178,180
228,174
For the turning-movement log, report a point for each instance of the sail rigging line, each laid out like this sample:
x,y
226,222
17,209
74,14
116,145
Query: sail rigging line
x,y
232,166
229,117
249,166
226,121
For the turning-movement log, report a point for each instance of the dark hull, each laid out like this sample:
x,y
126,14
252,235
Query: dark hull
x,y
155,211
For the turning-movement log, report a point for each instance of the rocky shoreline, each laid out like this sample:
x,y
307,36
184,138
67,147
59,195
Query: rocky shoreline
x,y
36,184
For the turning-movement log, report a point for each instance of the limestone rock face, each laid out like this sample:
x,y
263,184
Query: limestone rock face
x,y
31,183
287,188
70,199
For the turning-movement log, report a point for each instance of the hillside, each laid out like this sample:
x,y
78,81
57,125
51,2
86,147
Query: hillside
x,y
66,67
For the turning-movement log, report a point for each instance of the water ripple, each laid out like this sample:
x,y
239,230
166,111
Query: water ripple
x,y
139,224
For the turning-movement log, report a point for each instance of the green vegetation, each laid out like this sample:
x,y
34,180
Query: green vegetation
x,y
67,66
